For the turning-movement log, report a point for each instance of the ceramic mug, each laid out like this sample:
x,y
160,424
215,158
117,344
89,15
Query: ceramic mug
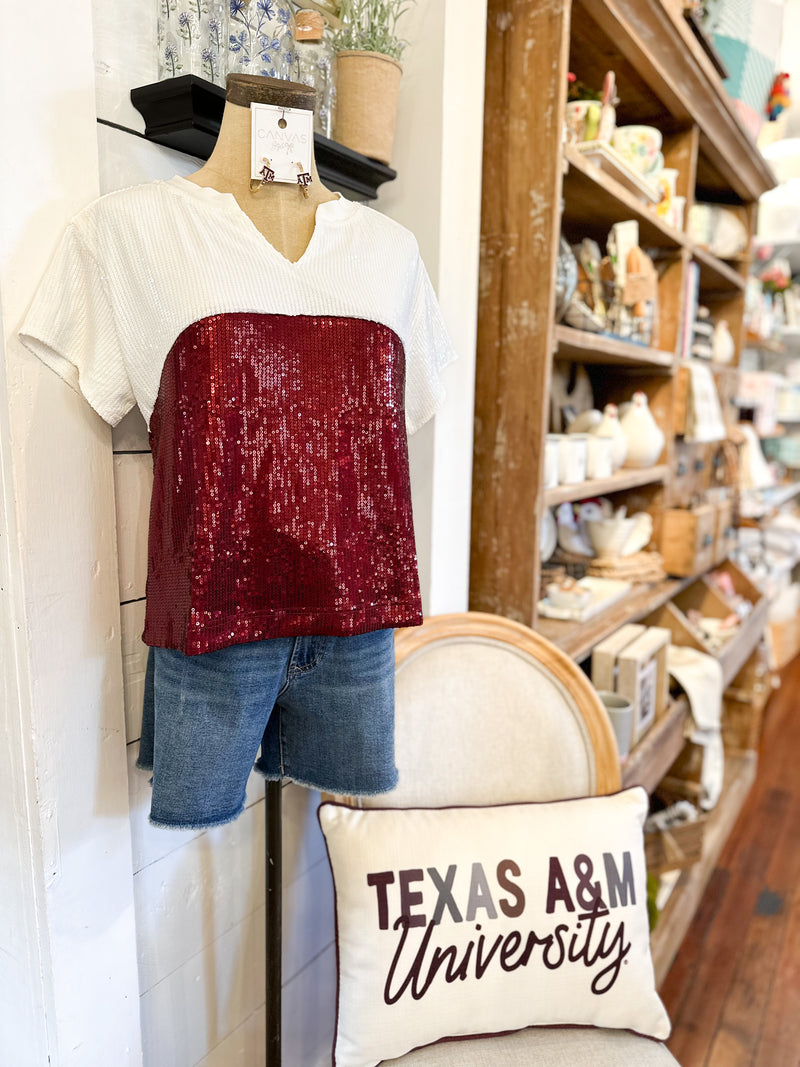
x,y
677,212
620,714
573,450
600,458
666,182
640,147
551,449
576,117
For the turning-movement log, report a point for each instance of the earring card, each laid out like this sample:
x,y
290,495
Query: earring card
x,y
282,139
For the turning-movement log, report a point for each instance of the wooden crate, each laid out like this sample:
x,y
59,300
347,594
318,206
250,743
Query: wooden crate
x,y
677,848
744,701
687,539
741,583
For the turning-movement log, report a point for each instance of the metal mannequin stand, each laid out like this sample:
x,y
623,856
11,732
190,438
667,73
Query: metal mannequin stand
x,y
273,946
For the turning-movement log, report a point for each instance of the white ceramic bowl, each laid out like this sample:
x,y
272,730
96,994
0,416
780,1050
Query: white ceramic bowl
x,y
608,536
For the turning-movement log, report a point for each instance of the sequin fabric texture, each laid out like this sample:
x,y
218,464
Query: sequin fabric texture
x,y
281,498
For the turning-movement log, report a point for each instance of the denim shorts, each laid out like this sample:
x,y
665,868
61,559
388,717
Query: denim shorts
x,y
321,709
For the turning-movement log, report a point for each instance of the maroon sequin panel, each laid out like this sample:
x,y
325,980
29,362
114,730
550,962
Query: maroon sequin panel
x,y
281,498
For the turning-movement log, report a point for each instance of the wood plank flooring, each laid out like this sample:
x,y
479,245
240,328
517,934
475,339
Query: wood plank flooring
x,y
733,992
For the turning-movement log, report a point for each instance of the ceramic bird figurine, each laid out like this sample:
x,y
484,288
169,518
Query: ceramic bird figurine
x,y
723,347
609,426
585,421
779,98
570,537
644,436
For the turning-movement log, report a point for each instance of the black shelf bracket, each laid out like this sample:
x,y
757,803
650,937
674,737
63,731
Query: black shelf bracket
x,y
185,113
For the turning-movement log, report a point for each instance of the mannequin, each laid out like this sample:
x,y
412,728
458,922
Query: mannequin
x,y
279,211
279,388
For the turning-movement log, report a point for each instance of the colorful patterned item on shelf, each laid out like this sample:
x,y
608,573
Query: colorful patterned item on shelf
x,y
262,39
192,38
640,147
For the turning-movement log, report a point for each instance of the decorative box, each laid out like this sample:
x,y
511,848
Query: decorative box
x,y
633,663
688,538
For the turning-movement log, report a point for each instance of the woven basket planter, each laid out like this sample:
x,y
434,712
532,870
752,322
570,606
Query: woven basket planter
x,y
367,85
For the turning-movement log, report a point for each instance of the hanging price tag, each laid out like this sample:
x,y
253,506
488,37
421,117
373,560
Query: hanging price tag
x,y
282,141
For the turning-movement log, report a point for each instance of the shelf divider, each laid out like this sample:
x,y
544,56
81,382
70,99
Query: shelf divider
x,y
715,274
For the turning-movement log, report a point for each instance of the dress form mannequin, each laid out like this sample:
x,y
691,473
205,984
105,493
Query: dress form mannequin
x,y
278,210
286,218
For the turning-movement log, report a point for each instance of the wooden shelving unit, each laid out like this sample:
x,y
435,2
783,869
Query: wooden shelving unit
x,y
534,190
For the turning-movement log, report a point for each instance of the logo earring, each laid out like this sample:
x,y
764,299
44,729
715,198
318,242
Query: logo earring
x,y
267,176
304,179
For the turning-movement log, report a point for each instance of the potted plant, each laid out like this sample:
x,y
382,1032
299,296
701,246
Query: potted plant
x,y
368,75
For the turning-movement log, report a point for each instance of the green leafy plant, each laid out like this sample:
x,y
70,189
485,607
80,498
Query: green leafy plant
x,y
371,26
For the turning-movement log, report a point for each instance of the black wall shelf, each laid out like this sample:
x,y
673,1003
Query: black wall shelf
x,y
185,114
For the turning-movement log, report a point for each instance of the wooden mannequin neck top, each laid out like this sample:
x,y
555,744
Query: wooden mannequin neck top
x,y
279,211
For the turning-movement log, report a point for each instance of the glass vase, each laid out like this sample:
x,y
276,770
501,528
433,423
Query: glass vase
x,y
192,39
316,60
262,39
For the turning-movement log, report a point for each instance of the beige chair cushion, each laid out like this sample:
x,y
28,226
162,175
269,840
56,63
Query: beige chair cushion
x,y
544,1047
512,732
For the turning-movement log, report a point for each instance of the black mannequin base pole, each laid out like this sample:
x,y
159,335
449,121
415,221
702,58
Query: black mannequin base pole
x,y
273,947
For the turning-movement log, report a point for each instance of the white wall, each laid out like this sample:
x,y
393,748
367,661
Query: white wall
x,y
193,969
68,992
438,156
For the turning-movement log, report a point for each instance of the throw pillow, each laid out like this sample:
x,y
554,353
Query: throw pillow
x,y
477,920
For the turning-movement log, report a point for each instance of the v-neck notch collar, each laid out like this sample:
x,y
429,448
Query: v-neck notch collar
x,y
329,212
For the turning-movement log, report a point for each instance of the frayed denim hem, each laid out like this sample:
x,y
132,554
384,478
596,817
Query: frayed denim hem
x,y
193,824
327,787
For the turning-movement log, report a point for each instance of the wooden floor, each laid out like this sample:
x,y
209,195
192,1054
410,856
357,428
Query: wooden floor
x,y
733,992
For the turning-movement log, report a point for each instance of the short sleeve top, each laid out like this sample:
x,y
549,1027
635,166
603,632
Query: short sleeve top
x,y
278,396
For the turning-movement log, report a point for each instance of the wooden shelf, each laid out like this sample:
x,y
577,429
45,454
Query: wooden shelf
x,y
717,276
752,340
185,114
623,479
594,201
652,40
584,347
737,651
659,748
578,639
769,500
674,921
